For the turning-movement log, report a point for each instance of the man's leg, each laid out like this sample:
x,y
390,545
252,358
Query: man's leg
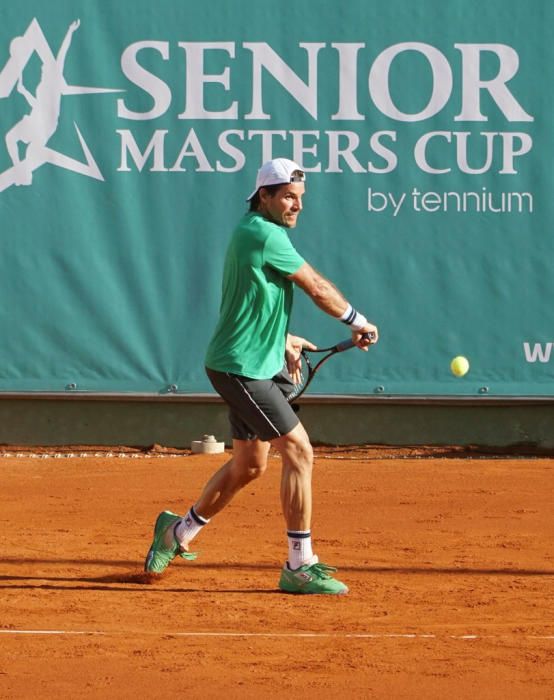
x,y
249,461
302,573
296,477
173,533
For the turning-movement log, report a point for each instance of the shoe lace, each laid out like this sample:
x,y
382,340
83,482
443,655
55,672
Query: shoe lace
x,y
189,556
322,570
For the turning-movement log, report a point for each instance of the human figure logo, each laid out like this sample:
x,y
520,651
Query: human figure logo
x,y
37,127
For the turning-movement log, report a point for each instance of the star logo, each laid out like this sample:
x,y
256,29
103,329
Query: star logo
x,y
37,127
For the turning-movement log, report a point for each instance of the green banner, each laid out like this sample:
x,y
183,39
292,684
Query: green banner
x,y
132,135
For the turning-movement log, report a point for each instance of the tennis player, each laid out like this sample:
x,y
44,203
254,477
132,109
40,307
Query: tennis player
x,y
253,363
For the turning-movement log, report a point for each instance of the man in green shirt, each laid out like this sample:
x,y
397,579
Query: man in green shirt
x,y
253,363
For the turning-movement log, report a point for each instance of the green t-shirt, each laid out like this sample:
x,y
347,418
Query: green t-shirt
x,y
249,338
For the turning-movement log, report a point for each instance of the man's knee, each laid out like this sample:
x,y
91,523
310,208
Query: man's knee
x,y
254,471
296,448
250,462
248,471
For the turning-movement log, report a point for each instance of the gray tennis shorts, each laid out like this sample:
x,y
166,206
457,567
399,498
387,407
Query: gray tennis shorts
x,y
258,408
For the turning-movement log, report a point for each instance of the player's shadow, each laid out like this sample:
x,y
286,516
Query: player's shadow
x,y
36,561
257,566
126,583
139,580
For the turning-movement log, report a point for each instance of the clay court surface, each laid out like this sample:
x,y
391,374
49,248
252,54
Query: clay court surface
x,y
450,563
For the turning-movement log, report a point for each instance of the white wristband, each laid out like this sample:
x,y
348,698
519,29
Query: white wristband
x,y
353,318
359,322
345,318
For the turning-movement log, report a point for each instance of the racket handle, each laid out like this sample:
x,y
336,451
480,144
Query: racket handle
x,y
347,344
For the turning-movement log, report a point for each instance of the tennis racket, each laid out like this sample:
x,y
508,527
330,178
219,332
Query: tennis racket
x,y
309,369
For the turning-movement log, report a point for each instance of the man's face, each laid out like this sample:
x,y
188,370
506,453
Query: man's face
x,y
284,206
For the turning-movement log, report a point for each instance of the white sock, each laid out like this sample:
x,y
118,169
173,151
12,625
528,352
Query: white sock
x,y
300,548
189,526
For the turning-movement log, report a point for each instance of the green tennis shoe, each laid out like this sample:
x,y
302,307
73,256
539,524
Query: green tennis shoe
x,y
164,546
311,578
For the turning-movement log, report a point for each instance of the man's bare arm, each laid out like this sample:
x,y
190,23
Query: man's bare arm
x,y
329,299
323,292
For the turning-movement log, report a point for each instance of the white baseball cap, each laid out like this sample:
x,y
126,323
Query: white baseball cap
x,y
279,171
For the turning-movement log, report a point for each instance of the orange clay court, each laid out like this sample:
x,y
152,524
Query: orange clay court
x,y
449,560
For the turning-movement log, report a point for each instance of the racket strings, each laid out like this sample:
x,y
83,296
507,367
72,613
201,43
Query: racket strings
x,y
304,375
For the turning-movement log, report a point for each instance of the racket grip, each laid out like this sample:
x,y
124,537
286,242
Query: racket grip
x,y
347,344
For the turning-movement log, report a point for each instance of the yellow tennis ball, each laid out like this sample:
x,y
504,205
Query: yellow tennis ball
x,y
459,366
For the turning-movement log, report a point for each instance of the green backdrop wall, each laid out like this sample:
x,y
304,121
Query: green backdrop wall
x,y
132,135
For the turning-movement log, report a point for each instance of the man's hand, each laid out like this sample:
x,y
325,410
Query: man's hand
x,y
293,348
364,343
